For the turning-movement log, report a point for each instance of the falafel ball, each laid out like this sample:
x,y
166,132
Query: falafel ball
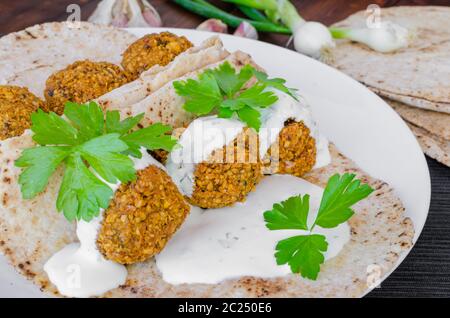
x,y
142,217
81,82
219,182
296,151
16,106
153,49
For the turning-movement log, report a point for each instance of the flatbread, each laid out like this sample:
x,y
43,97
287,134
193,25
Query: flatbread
x,y
434,122
31,231
29,57
432,145
417,75
209,52
165,105
432,129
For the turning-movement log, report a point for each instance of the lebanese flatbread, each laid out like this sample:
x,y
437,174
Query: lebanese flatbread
x,y
380,234
432,145
165,105
417,75
29,57
434,122
209,52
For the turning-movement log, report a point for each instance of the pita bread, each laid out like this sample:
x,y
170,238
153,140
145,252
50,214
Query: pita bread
x,y
32,230
432,145
434,122
417,75
29,57
165,105
210,51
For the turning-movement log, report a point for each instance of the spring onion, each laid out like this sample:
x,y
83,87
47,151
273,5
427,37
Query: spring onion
x,y
386,37
310,38
208,10
253,13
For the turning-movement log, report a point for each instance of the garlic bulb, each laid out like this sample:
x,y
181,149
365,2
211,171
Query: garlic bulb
x,y
126,14
213,25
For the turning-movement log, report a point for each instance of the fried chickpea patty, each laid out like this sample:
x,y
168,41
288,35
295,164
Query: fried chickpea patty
x,y
296,151
141,218
81,82
219,182
16,106
151,50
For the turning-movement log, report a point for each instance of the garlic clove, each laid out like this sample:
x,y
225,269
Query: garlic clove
x,y
213,25
126,13
151,15
246,30
103,13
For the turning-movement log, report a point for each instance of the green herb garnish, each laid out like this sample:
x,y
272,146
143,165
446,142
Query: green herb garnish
x,y
222,90
94,148
304,253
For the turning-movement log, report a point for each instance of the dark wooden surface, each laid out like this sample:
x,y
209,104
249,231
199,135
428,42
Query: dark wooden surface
x,y
426,270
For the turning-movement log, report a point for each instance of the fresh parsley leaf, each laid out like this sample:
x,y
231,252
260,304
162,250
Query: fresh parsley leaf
x,y
50,129
114,125
291,214
39,164
94,147
277,83
250,116
151,137
104,155
339,195
225,112
82,194
256,97
88,119
222,90
229,82
303,253
202,96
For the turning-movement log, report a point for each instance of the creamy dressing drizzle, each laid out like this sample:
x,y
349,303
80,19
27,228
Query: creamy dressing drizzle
x,y
79,269
206,134
198,141
219,244
274,117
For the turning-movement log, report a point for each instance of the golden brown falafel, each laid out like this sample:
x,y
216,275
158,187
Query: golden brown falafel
x,y
16,106
142,217
81,82
296,151
153,49
219,182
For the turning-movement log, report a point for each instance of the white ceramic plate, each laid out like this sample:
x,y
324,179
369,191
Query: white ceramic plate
x,y
361,124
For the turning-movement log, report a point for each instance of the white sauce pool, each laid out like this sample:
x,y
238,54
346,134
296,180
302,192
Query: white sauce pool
x,y
215,245
79,269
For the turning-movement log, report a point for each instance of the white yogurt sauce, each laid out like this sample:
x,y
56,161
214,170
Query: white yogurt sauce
x,y
79,269
206,134
219,244
198,141
274,117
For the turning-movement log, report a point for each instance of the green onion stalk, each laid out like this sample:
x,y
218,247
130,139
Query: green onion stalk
x,y
310,38
207,10
314,39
